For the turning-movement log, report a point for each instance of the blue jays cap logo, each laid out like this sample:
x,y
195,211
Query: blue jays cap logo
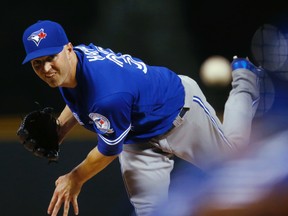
x,y
37,36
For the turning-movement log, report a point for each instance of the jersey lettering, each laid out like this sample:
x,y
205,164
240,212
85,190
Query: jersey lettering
x,y
119,59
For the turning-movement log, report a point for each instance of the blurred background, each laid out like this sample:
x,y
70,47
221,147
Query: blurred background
x,y
198,39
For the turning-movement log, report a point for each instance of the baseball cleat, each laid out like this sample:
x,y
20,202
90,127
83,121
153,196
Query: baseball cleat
x,y
244,63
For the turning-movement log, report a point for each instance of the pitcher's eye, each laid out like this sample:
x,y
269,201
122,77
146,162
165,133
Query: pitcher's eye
x,y
36,64
50,58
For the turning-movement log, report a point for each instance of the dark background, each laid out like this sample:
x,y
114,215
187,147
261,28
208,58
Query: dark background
x,y
179,34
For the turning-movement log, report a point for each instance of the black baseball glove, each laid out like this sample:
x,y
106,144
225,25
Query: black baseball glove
x,y
38,132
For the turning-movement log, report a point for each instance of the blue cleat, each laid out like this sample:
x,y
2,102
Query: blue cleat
x,y
244,63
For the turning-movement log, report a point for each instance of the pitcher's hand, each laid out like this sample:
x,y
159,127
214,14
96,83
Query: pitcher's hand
x,y
66,191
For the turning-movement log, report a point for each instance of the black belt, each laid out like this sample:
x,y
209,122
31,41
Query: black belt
x,y
183,111
174,125
175,122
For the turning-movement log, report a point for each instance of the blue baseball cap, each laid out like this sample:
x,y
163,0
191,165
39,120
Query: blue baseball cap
x,y
43,38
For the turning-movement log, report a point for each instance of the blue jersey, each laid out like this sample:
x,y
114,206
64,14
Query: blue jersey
x,y
121,98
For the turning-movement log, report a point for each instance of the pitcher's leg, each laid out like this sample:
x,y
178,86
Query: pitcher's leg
x,y
146,174
242,103
199,139
202,139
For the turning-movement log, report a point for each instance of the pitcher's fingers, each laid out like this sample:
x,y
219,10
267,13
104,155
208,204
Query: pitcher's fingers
x,y
57,207
66,207
75,205
52,203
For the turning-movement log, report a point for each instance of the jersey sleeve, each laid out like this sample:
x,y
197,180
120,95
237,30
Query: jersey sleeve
x,y
112,121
